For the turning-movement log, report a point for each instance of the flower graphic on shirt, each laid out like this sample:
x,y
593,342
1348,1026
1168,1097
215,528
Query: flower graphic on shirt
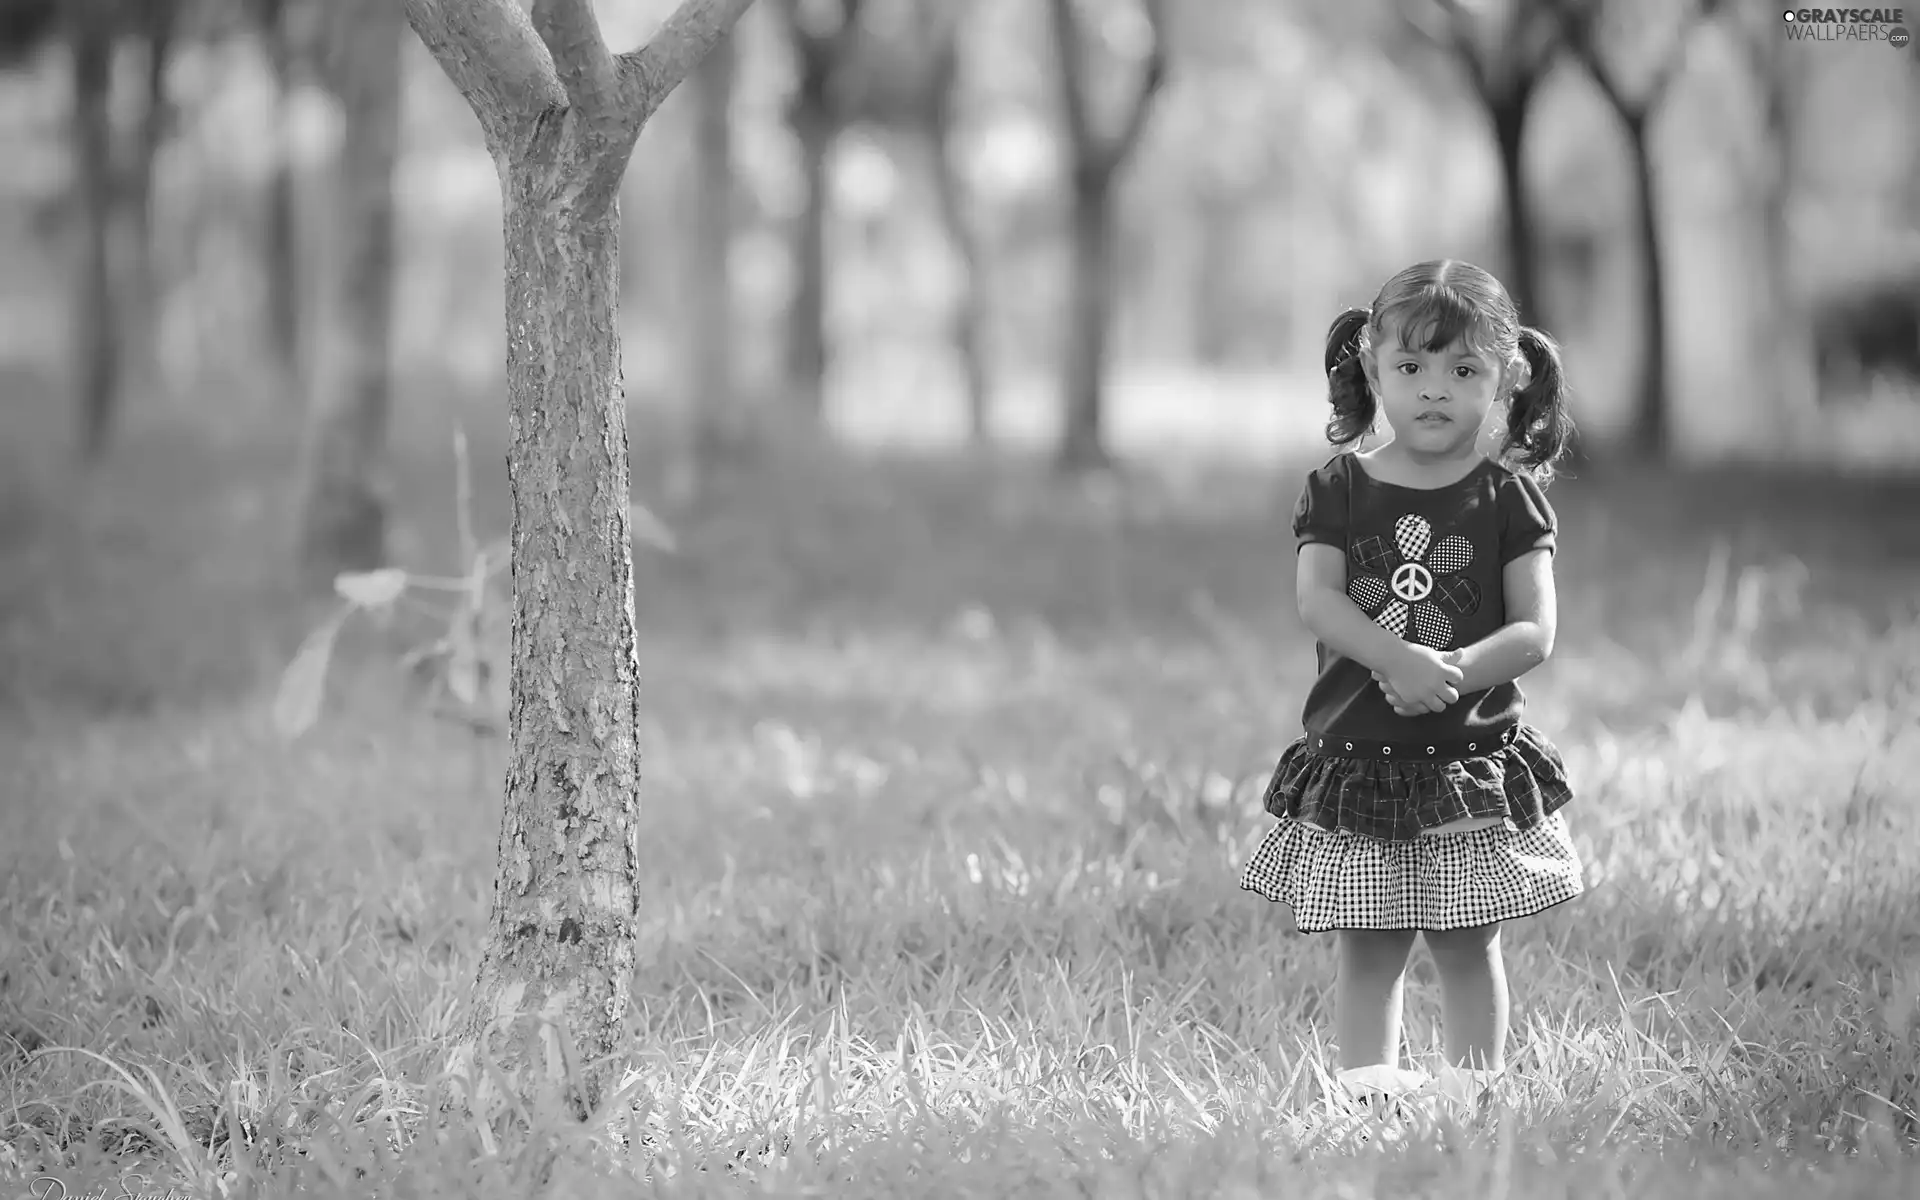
x,y
1411,585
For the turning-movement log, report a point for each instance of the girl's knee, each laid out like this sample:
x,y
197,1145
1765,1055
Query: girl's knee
x,y
1464,947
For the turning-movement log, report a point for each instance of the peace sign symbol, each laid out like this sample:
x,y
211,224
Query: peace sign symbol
x,y
1412,582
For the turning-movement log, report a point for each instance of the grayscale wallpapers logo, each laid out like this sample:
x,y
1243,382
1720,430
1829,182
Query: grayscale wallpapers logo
x,y
1848,25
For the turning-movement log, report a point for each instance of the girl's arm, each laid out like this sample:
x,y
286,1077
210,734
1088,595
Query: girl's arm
x,y
1327,611
1526,640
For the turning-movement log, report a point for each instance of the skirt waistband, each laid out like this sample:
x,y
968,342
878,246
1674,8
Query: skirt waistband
x,y
1436,751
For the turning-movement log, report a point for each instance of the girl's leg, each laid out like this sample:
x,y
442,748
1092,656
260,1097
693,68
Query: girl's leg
x,y
1367,994
1473,992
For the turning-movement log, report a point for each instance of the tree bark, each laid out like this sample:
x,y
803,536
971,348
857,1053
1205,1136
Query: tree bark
x,y
1651,433
98,328
561,941
1083,443
344,526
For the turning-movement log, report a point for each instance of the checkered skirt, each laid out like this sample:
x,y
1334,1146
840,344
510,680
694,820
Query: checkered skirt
x,y
1337,879
1521,783
1367,844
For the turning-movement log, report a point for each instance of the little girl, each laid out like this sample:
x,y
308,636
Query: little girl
x,y
1418,801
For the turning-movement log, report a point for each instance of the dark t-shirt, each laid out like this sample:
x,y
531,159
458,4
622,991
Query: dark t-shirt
x,y
1428,565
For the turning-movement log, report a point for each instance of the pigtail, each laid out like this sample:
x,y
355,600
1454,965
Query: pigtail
x,y
1347,390
1539,429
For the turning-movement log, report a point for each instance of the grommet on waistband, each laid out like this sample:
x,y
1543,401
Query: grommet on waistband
x,y
1386,750
1473,745
1429,749
1349,745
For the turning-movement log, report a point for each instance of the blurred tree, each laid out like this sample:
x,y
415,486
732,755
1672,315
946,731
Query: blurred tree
x,y
939,26
155,24
1777,74
25,27
283,27
903,72
344,514
1633,51
560,114
934,58
1505,48
823,34
1097,156
710,314
114,300
98,322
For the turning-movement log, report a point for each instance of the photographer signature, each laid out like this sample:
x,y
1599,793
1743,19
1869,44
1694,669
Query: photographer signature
x,y
47,1187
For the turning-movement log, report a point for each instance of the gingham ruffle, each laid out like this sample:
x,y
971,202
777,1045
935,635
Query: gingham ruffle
x,y
1341,880
1396,800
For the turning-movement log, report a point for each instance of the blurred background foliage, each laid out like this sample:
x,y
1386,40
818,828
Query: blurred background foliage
x,y
925,222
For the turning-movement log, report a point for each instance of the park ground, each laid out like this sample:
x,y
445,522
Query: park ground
x,y
949,772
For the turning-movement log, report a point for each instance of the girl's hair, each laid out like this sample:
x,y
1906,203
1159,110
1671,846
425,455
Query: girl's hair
x,y
1432,305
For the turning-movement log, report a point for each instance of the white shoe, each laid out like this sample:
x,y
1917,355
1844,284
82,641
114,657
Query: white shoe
x,y
1379,1079
1467,1087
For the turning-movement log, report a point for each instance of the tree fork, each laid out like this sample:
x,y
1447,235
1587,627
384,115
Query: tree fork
x,y
560,115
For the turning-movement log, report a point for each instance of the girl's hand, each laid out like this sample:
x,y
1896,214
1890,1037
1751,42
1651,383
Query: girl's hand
x,y
1426,680
1400,707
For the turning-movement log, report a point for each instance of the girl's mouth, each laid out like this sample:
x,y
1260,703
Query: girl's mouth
x,y
1436,418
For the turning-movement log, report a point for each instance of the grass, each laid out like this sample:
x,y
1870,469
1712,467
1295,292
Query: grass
x,y
948,777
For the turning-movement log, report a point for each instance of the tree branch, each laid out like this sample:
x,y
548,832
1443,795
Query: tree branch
x,y
1450,37
580,56
1533,55
490,52
1460,36
1072,73
1577,27
1153,74
649,74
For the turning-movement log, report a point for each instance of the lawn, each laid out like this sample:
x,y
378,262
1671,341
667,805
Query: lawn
x,y
949,773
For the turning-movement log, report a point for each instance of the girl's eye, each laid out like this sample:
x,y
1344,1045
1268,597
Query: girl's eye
x,y
1464,370
1407,368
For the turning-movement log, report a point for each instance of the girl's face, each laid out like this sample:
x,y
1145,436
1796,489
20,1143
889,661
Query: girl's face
x,y
1435,401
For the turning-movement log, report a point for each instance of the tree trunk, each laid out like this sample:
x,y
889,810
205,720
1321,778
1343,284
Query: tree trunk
x,y
96,316
814,126
1651,432
157,29
281,254
1097,158
1795,385
345,519
1214,299
560,115
709,311
564,907
1083,445
1509,117
967,321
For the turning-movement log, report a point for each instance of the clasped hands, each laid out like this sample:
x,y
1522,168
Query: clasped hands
x,y
1425,681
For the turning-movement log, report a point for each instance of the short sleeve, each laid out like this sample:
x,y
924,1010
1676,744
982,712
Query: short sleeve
x,y
1321,513
1527,521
